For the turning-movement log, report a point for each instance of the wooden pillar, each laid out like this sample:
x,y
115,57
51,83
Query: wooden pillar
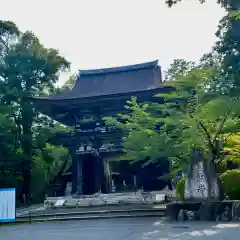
x,y
107,176
79,175
74,170
99,173
134,181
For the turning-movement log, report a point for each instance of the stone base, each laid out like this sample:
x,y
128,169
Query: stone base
x,y
205,211
106,199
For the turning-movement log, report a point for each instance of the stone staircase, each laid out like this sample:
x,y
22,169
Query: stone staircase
x,y
92,213
98,206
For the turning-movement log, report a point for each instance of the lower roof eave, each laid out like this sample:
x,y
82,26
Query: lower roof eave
x,y
50,100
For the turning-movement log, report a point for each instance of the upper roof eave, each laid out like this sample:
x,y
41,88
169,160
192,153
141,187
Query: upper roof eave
x,y
119,69
91,93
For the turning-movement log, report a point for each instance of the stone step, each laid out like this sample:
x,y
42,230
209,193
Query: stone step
x,y
123,207
93,215
93,212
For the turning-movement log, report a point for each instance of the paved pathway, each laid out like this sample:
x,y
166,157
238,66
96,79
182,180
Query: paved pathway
x,y
25,210
121,229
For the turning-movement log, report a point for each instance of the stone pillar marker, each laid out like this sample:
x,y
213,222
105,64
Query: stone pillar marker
x,y
202,183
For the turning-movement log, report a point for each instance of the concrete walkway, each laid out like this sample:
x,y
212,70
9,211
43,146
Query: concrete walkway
x,y
26,210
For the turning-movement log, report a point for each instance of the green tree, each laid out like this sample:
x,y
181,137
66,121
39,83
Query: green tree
x,y
223,3
69,84
9,32
27,69
47,165
9,135
179,67
50,160
232,148
10,152
227,48
171,3
191,117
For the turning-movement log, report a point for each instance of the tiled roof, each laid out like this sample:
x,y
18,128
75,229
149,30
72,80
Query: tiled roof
x,y
102,82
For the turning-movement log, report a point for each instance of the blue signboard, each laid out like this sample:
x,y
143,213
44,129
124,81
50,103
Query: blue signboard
x,y
8,205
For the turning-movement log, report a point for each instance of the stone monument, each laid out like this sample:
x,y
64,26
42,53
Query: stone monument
x,y
202,182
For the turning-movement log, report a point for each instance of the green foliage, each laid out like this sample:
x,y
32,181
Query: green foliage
x,y
179,67
9,32
232,148
46,166
234,4
170,3
69,84
231,152
180,189
142,139
226,49
192,116
206,115
27,69
231,183
235,15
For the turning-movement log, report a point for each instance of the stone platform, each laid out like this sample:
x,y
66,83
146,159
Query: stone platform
x,y
205,210
108,199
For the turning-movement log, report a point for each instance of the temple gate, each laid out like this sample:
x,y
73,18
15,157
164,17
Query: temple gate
x,y
97,94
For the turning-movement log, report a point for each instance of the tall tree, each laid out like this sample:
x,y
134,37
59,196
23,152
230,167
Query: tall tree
x,y
27,69
9,32
9,134
179,67
227,48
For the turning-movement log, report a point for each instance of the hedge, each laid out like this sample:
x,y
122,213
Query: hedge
x,y
231,184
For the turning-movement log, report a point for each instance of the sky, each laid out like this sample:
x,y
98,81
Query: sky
x,y
109,33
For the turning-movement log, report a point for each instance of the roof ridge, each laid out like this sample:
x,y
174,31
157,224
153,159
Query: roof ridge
x,y
151,64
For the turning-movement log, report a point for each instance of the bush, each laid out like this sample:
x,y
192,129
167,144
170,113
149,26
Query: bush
x,y
231,183
180,189
221,167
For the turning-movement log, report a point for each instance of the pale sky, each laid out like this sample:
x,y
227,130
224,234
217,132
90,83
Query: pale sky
x,y
109,33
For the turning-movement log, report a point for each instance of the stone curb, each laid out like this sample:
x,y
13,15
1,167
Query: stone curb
x,y
107,215
92,217
92,212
